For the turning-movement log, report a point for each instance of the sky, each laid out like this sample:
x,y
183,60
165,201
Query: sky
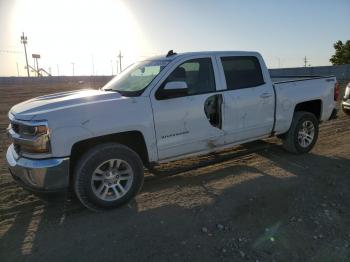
x,y
90,33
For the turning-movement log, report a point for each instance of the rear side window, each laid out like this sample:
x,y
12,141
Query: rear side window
x,y
242,72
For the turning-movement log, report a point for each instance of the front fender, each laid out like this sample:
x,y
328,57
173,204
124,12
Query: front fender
x,y
63,139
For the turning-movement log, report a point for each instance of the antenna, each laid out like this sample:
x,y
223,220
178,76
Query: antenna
x,y
170,53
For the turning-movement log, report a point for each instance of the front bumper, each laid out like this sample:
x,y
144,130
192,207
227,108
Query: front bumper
x,y
346,105
41,175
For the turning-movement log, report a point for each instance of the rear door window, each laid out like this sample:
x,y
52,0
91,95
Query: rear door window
x,y
242,72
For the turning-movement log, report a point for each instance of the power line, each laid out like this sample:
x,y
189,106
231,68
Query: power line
x,y
10,51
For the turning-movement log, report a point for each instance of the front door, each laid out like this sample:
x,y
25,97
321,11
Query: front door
x,y
190,121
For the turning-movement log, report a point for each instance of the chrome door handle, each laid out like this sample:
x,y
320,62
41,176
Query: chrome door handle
x,y
265,95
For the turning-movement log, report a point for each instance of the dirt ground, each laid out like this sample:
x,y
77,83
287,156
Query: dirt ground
x,y
252,203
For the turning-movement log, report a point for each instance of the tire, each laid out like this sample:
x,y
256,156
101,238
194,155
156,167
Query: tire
x,y
295,139
107,176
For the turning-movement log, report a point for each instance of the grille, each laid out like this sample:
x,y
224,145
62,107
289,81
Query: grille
x,y
15,127
17,148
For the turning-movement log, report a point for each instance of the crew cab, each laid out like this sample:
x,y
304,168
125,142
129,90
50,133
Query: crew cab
x,y
169,107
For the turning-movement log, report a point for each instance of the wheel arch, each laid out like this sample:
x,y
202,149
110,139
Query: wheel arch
x,y
312,106
132,139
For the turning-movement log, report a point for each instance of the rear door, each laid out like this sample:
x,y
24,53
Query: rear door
x,y
248,99
188,122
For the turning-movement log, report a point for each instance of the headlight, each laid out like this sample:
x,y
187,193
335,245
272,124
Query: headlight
x,y
33,130
31,138
347,92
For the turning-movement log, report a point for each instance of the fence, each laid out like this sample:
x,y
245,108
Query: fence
x,y
53,79
342,72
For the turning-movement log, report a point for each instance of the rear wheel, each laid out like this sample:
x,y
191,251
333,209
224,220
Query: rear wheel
x,y
108,176
302,134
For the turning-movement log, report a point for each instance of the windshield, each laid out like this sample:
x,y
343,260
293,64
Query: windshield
x,y
134,79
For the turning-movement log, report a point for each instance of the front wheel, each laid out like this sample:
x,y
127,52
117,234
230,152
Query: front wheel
x,y
302,134
107,176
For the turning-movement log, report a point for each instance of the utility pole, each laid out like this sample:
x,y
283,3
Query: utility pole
x,y
73,67
120,61
17,69
93,65
305,61
35,67
24,42
36,64
279,61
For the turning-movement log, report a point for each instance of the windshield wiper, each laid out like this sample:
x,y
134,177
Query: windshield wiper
x,y
113,90
109,89
125,93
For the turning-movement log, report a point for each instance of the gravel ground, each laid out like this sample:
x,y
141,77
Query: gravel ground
x,y
254,202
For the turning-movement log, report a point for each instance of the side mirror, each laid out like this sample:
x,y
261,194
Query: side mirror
x,y
172,90
176,85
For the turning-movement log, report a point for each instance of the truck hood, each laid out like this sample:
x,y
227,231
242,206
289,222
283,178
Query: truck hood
x,y
34,108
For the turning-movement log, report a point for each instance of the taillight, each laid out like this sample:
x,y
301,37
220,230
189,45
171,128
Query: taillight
x,y
336,91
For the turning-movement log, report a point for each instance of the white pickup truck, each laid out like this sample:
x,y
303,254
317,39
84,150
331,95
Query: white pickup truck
x,y
98,142
346,100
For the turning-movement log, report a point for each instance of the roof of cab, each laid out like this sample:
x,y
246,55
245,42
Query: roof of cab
x,y
169,58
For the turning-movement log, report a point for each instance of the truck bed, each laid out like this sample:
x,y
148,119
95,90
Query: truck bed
x,y
294,90
284,79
